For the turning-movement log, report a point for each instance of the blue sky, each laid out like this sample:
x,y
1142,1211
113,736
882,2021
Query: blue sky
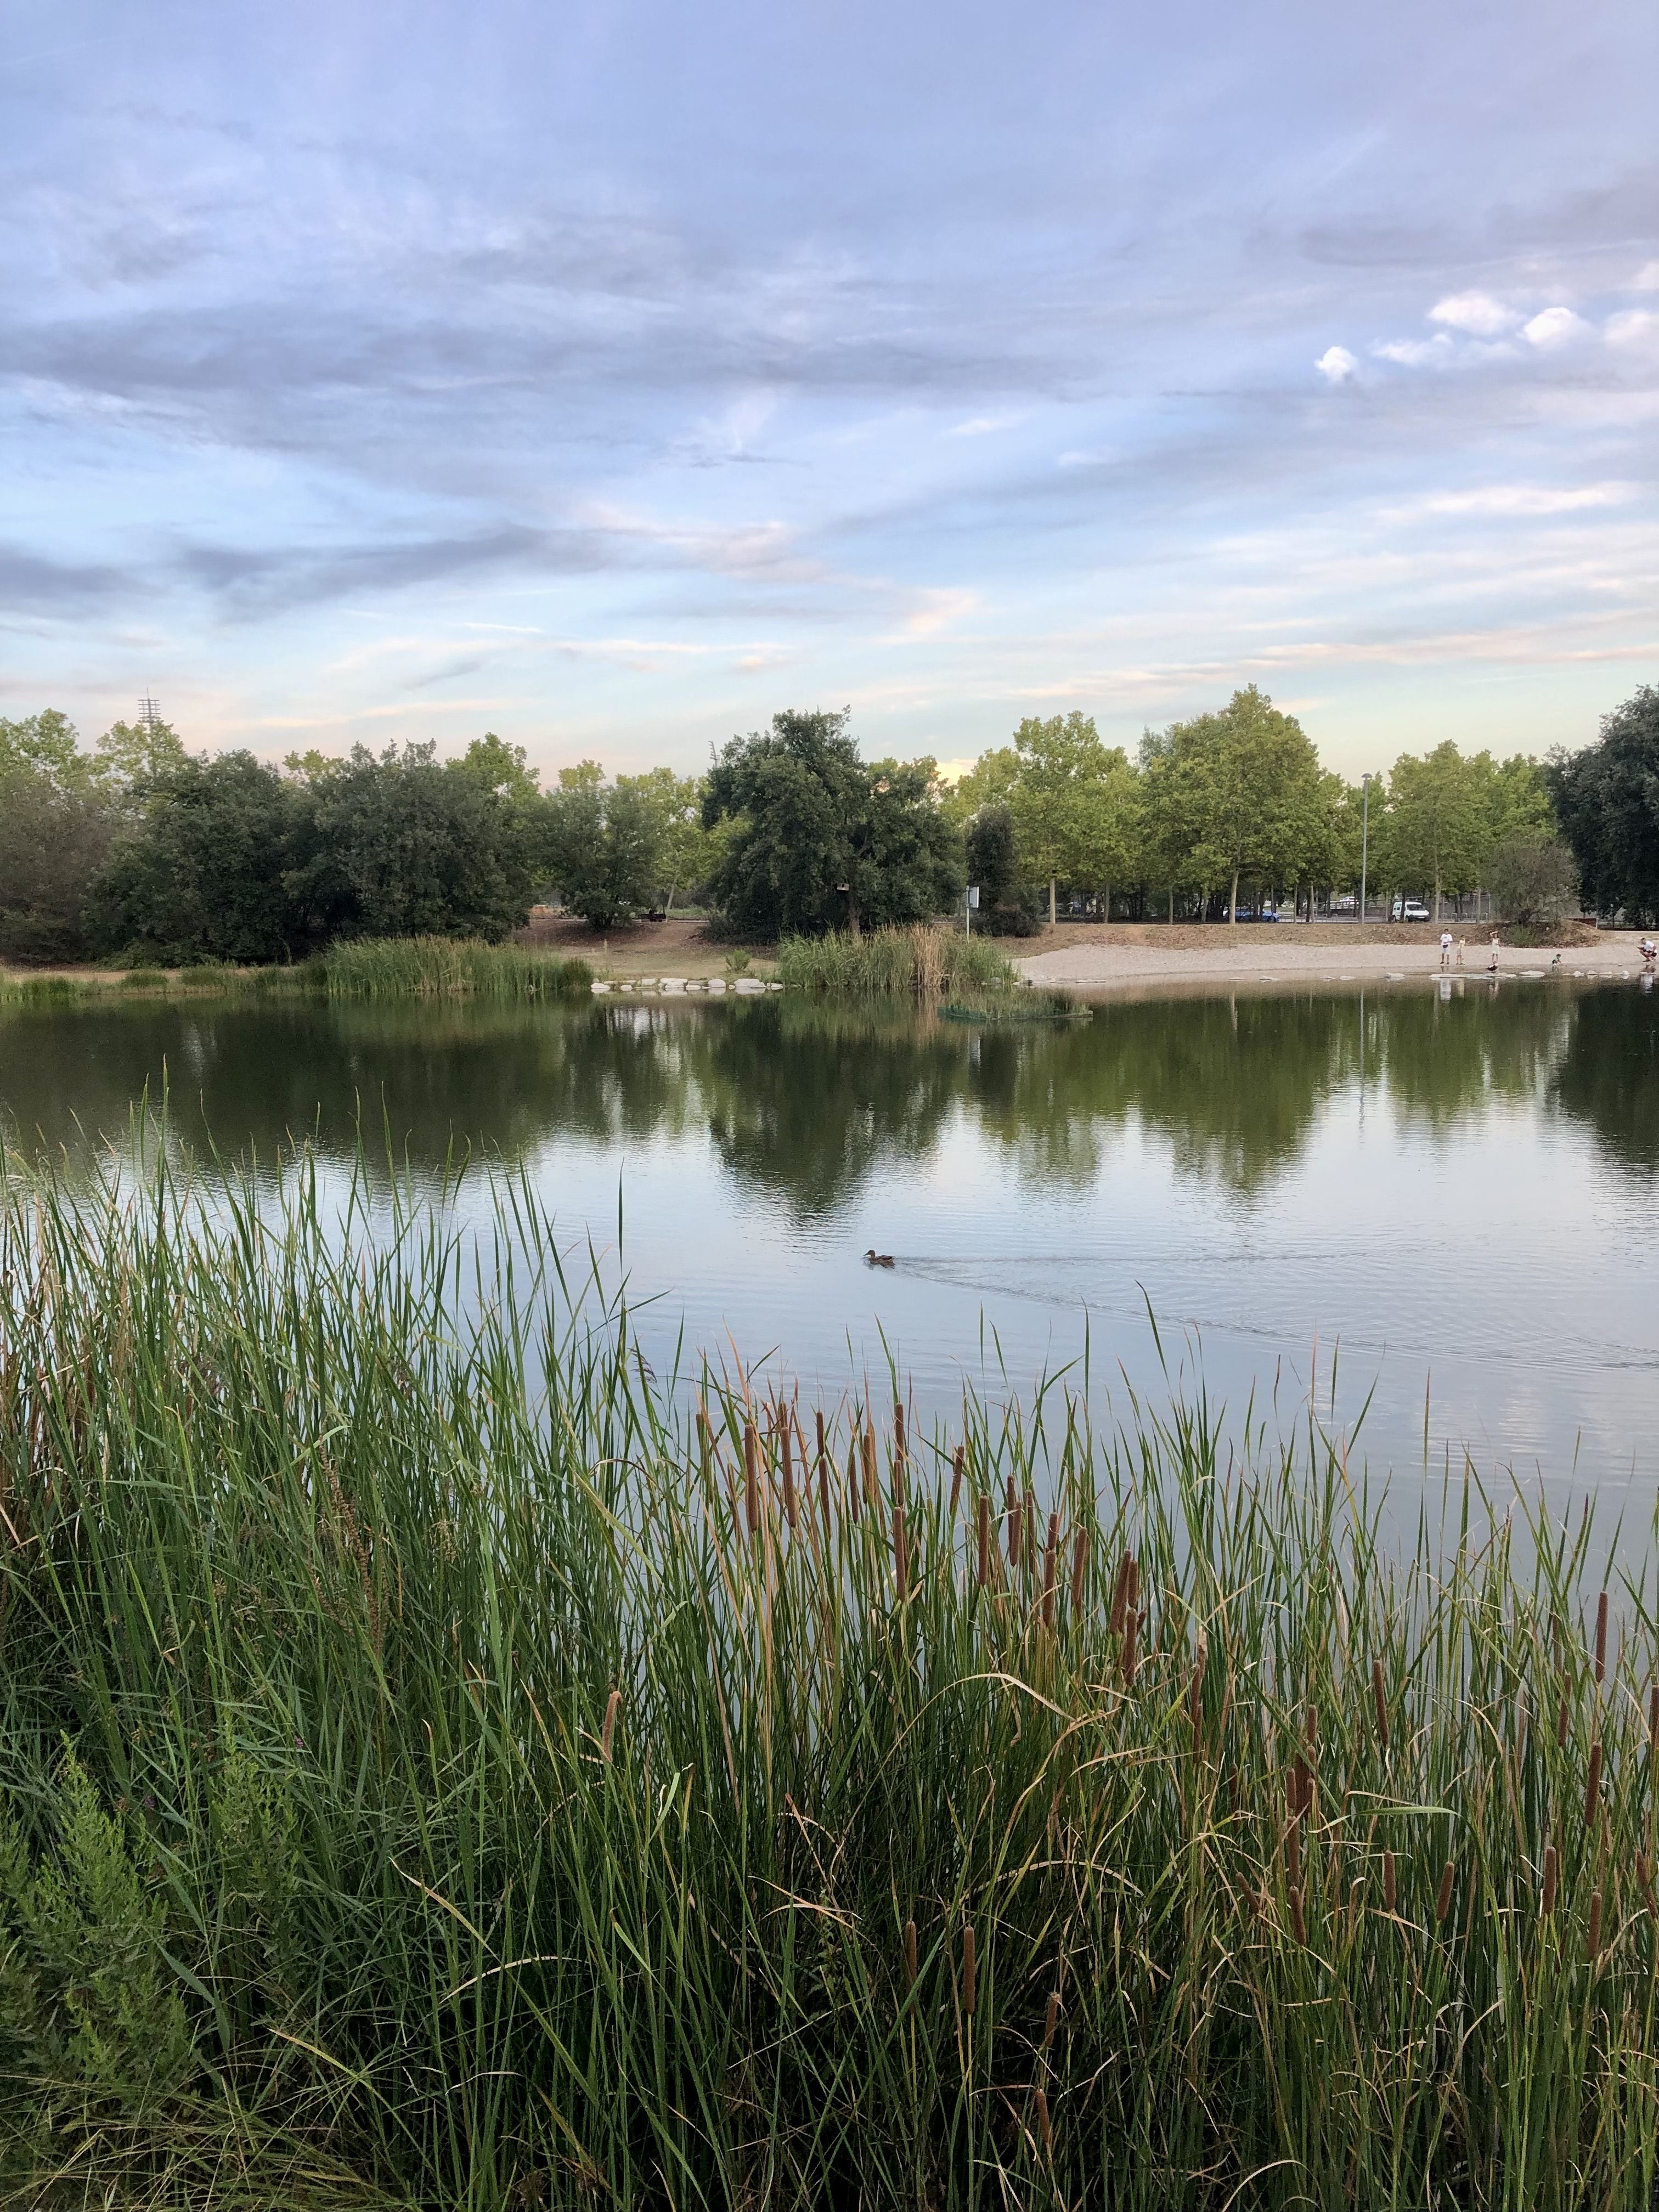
x,y
612,375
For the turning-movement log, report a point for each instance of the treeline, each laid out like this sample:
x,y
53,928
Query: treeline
x,y
134,847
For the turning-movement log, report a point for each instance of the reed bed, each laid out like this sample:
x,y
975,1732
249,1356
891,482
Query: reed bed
x,y
448,967
925,962
448,1764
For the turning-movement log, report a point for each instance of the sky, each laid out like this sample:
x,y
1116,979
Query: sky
x,y
611,374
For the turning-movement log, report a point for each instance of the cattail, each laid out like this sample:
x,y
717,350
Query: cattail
x,y
1294,1854
1593,1783
1551,1869
1298,1925
871,1488
1013,1524
1031,1528
1443,1903
788,1444
1310,1730
958,1464
970,1979
1121,1594
1653,1719
1595,1925
1381,1704
901,1556
853,1480
1131,1639
1079,1568
1561,1723
1300,1789
984,1542
1390,1891
898,1450
1045,2127
1644,1882
752,1476
823,1468
910,1956
1050,1552
1051,2018
608,1726
1600,1636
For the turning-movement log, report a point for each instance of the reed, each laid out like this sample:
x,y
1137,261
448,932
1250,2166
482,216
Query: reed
x,y
926,962
448,967
445,1764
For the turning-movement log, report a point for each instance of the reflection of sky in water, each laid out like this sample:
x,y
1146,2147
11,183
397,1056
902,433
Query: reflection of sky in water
x,y
1482,1221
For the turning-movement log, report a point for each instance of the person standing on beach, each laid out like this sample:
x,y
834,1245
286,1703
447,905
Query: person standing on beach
x,y
1491,964
1445,951
1460,942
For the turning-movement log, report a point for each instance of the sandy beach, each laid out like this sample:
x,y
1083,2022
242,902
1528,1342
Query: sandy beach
x,y
1089,959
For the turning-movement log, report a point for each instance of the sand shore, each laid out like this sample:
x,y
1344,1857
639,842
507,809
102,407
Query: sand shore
x,y
1092,960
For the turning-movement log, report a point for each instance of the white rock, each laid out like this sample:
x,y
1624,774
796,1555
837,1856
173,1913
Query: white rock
x,y
717,983
749,985
597,987
671,983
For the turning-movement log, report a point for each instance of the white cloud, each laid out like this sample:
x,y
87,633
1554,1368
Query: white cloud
x,y
1416,353
1336,364
981,425
1516,499
1646,279
1633,327
1477,312
1555,326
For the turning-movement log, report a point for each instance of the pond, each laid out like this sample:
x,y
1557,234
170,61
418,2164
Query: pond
x,y
1455,1196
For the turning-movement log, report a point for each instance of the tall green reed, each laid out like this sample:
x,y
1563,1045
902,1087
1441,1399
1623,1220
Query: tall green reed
x,y
448,1763
925,961
448,967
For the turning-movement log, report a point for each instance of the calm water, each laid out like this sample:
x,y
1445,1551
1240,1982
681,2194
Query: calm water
x,y
1461,1194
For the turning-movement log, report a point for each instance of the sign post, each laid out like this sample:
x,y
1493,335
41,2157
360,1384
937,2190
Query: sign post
x,y
970,907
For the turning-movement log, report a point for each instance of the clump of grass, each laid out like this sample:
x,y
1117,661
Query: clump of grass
x,y
448,967
145,979
923,962
44,990
447,1764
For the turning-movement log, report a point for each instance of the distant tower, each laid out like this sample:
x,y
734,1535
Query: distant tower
x,y
149,713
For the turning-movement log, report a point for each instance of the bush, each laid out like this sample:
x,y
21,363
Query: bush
x,y
448,967
925,962
1532,880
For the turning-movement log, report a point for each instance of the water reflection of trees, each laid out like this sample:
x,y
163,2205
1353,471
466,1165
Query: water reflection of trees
x,y
805,1099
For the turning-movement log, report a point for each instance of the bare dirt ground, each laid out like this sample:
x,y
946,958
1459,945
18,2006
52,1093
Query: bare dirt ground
x,y
677,946
1089,957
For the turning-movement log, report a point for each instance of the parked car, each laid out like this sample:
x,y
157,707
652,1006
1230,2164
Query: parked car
x,y
1410,910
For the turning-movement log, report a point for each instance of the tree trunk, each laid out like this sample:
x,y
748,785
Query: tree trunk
x,y
1106,904
1437,894
1172,906
1233,903
1051,902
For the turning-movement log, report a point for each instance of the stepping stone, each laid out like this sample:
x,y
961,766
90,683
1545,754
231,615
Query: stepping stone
x,y
671,983
749,985
717,983
598,987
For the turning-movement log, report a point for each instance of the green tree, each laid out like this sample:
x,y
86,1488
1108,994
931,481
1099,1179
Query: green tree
x,y
56,827
1439,822
1607,799
1242,792
686,853
989,783
818,840
1061,818
605,846
1006,906
1532,879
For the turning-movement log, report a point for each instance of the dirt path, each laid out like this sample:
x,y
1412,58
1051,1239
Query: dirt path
x,y
1094,959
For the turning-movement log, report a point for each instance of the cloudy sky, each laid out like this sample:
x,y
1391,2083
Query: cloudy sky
x,y
610,373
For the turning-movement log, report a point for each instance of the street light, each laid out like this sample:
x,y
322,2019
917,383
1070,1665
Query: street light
x,y
1364,835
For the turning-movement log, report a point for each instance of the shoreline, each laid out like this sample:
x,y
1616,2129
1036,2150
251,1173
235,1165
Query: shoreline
x,y
1285,954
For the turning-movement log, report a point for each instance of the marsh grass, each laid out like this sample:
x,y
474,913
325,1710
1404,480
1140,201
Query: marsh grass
x,y
925,962
448,967
449,1763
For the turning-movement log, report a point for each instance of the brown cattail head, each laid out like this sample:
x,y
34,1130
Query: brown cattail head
x,y
970,1974
1601,1635
1299,1789
1051,2018
959,1467
1131,1632
1294,1854
1595,1926
1121,1594
1079,1569
1045,2125
1561,1723
984,1542
1050,1557
1310,1732
901,1556
787,1441
1653,1719
853,1480
910,1956
1298,1925
1443,1903
823,1466
1381,1704
872,1486
1014,1518
1644,1883
608,1726
1593,1784
751,1476
1552,1873
1390,1888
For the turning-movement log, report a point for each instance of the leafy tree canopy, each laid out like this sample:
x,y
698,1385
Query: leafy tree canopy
x,y
1606,798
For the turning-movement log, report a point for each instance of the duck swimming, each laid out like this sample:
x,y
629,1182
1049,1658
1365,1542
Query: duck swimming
x,y
874,1259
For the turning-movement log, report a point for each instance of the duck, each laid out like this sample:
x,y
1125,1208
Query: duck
x,y
874,1259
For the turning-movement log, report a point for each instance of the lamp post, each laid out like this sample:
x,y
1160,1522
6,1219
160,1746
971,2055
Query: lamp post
x,y
1364,835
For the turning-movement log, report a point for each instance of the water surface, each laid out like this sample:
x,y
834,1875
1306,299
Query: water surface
x,y
1456,1195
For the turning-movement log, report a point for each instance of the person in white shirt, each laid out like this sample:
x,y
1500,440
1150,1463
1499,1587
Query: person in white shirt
x,y
1445,951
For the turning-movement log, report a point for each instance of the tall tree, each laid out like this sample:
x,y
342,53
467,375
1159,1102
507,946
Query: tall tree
x,y
56,826
605,846
1058,814
1606,798
1244,783
1440,820
685,851
819,840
